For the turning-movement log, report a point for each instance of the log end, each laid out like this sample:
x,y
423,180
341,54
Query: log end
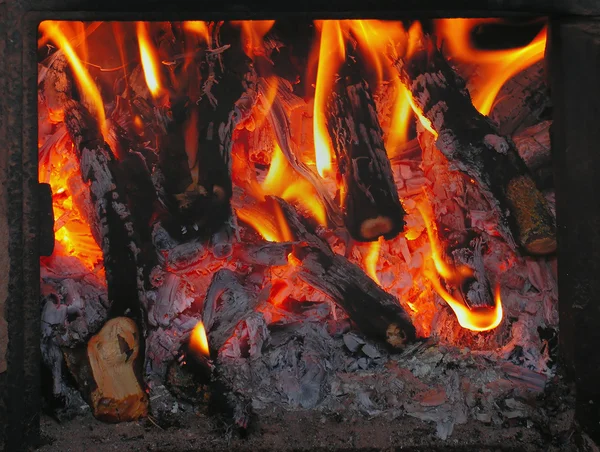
x,y
118,395
372,228
395,336
536,230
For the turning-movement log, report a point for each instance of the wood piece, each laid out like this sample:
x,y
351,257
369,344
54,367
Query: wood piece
x,y
106,372
374,311
280,123
370,201
449,199
470,141
120,243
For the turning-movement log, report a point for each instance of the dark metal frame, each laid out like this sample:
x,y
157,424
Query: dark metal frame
x,y
19,386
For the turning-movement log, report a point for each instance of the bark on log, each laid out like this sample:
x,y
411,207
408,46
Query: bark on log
x,y
107,374
470,141
375,312
120,243
370,201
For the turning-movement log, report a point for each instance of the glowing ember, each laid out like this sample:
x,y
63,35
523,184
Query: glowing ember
x,y
496,66
88,88
332,52
149,59
372,258
199,341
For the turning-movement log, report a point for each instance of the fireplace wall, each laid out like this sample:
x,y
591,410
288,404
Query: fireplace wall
x,y
575,65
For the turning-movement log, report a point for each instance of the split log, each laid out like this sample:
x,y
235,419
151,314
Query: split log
x,y
470,141
533,144
280,123
107,372
374,311
120,242
370,201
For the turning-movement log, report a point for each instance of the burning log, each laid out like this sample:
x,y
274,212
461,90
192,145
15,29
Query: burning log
x,y
119,244
280,123
470,141
370,199
448,187
375,312
107,372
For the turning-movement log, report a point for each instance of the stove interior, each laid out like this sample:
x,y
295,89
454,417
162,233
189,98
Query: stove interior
x,y
339,215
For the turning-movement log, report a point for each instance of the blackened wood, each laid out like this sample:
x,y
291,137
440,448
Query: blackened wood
x,y
120,243
374,311
370,201
470,141
575,68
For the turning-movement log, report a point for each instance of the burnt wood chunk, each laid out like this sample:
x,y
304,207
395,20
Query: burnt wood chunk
x,y
375,312
470,141
106,372
369,196
112,217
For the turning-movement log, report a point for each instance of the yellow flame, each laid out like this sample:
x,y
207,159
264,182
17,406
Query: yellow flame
x,y
477,319
400,118
149,59
268,220
253,32
372,258
496,66
198,27
198,340
87,87
332,52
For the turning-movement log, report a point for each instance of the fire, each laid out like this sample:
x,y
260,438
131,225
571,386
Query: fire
x,y
371,259
477,319
149,59
332,52
253,32
497,66
198,27
198,340
268,220
87,87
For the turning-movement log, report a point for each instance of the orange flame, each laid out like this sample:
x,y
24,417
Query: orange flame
x,y
268,220
198,27
198,340
372,258
149,59
253,32
332,52
497,66
447,272
477,319
88,88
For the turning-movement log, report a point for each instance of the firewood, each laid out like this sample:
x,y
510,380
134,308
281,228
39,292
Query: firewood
x,y
280,123
120,242
107,372
448,186
370,201
470,141
375,312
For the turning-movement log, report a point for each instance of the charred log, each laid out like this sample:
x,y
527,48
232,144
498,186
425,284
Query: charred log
x,y
375,312
470,141
120,243
370,199
107,372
